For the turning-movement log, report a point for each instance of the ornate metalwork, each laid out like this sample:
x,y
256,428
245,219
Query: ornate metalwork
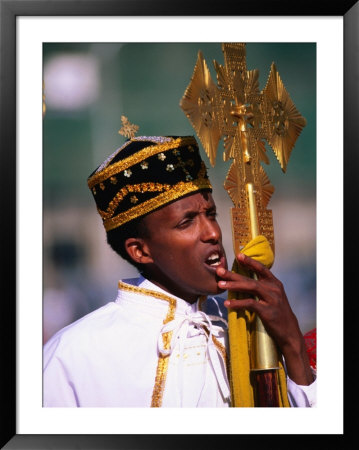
x,y
245,117
128,129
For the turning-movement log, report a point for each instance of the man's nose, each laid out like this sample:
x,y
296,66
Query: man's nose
x,y
210,230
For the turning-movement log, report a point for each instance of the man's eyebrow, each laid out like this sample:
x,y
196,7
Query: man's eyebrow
x,y
190,213
211,208
194,212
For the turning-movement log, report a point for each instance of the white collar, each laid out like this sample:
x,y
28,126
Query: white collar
x,y
182,306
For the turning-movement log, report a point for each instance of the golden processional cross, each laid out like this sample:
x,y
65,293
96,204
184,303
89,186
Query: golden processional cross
x,y
245,117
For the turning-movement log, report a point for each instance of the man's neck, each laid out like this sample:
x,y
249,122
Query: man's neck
x,y
169,287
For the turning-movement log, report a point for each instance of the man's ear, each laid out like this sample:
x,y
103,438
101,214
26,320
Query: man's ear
x,y
138,250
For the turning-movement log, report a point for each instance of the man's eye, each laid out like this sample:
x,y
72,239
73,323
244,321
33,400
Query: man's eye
x,y
213,214
185,223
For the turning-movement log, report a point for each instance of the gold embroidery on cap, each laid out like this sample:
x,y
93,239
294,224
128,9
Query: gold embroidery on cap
x,y
162,156
176,191
137,158
123,192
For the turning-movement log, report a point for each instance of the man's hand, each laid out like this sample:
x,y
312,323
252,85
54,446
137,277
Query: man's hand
x,y
274,310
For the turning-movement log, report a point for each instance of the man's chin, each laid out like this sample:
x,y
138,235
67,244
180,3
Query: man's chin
x,y
214,289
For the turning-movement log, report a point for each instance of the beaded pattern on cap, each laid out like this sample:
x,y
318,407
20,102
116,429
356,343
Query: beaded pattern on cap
x,y
157,139
154,139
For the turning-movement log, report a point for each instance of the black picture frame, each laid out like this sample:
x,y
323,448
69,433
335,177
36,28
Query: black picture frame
x,y
9,10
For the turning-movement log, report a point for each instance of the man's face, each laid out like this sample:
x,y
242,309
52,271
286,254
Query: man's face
x,y
185,243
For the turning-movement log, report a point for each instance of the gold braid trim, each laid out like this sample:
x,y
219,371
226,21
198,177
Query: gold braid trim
x,y
162,365
136,158
121,194
178,190
138,290
221,348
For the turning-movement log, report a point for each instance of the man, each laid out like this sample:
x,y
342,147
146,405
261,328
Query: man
x,y
164,340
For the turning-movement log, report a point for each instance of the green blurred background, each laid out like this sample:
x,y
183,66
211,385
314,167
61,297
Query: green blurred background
x,y
88,86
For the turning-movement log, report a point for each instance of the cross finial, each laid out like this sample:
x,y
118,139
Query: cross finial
x,y
245,117
128,129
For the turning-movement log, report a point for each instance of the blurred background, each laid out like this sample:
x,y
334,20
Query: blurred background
x,y
88,86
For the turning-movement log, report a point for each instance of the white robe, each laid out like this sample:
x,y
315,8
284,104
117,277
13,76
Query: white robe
x,y
147,348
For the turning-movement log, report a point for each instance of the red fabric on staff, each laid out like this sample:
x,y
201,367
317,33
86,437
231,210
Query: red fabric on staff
x,y
310,339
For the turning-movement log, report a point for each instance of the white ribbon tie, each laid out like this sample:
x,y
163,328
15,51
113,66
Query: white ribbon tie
x,y
180,327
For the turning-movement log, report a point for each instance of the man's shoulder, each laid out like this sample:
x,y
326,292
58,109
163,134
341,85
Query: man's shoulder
x,y
83,328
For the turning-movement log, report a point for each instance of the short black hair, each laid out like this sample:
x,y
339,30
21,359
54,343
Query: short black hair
x,y
117,237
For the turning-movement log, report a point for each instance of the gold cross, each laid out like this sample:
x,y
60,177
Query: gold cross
x,y
128,129
245,117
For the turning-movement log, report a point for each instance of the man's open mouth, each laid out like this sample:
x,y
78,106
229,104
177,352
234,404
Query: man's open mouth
x,y
213,260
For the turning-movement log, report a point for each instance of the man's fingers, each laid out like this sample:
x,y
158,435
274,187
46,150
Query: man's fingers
x,y
247,303
244,284
228,275
232,281
253,265
265,285
248,263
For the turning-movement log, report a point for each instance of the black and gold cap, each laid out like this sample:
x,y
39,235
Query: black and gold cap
x,y
145,174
